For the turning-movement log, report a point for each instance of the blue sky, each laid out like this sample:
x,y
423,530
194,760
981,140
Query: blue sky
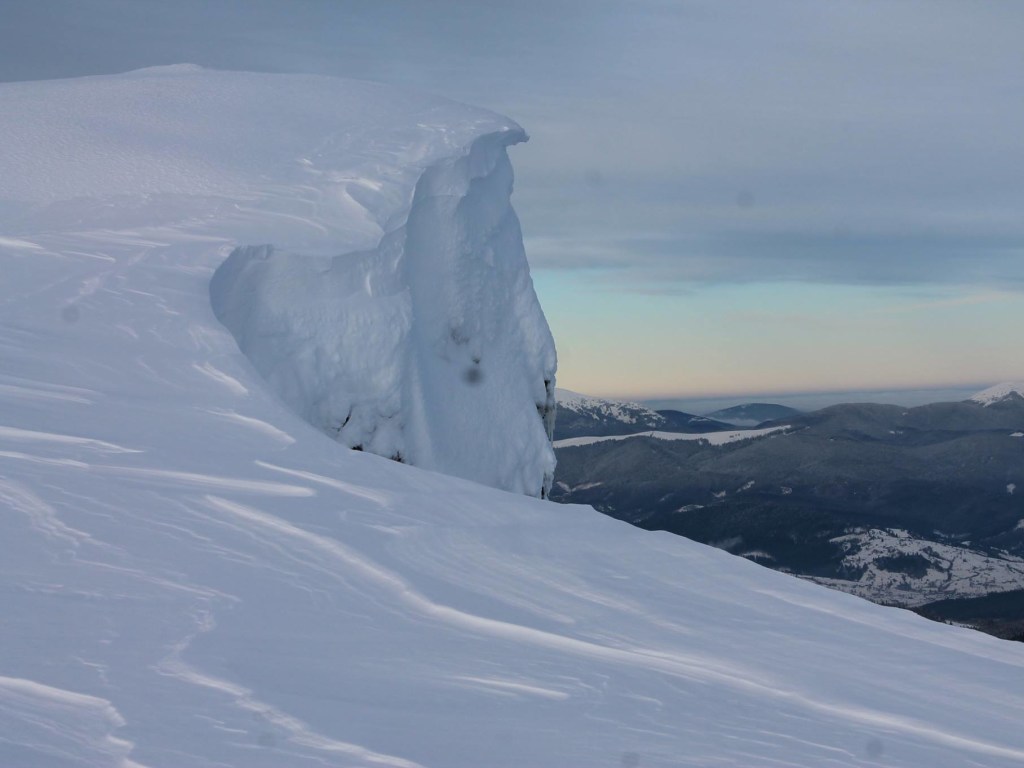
x,y
720,196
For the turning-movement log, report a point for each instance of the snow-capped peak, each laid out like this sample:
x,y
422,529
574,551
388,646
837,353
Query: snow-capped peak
x,y
610,409
998,393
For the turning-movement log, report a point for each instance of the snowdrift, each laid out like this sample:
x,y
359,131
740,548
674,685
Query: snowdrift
x,y
431,349
193,574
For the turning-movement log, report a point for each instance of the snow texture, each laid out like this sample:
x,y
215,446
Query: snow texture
x,y
192,575
431,348
394,310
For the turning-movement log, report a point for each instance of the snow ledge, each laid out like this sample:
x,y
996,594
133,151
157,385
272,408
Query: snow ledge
x,y
431,348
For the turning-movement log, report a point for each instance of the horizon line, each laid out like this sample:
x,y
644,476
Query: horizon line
x,y
747,394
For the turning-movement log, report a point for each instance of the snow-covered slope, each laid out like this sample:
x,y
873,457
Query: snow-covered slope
x,y
193,575
393,308
994,394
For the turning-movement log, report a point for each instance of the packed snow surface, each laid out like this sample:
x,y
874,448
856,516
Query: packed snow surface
x,y
998,392
714,438
193,575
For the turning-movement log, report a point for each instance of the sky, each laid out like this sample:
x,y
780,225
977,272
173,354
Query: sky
x,y
720,198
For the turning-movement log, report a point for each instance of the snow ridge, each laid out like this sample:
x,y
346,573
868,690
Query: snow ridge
x,y
66,723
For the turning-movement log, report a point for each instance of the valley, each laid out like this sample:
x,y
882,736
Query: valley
x,y
901,506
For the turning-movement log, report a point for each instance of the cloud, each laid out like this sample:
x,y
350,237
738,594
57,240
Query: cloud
x,y
968,300
656,265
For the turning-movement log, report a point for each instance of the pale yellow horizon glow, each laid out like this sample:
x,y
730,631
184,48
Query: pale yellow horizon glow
x,y
782,339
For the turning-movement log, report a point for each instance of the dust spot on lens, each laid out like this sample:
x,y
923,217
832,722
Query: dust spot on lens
x,y
70,314
266,739
874,748
745,199
473,375
630,760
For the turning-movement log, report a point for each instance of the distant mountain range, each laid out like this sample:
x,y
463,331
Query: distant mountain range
x,y
753,414
583,416
904,506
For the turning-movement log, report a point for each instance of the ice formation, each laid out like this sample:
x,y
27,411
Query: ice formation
x,y
430,348
393,306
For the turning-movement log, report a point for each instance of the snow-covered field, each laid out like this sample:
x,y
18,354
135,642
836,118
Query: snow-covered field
x,y
945,570
193,575
714,438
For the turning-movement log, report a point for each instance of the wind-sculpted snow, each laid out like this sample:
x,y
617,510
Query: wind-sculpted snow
x,y
379,281
192,575
430,349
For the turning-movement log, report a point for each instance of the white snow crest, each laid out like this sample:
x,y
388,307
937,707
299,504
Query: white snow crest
x,y
998,392
60,726
627,412
431,349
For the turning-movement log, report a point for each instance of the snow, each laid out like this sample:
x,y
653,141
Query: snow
x,y
690,507
568,398
627,412
998,392
952,571
713,438
405,350
394,309
191,574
